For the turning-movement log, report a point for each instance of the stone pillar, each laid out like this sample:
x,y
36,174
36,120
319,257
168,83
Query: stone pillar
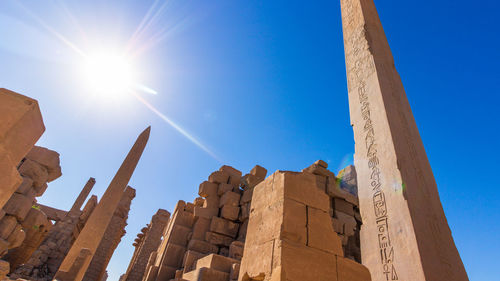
x,y
83,195
111,238
94,229
290,236
148,243
405,234
21,125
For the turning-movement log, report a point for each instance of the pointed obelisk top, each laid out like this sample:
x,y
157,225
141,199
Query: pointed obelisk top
x,y
75,264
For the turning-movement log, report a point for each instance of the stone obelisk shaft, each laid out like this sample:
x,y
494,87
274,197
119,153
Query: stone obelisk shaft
x,y
78,259
82,196
405,235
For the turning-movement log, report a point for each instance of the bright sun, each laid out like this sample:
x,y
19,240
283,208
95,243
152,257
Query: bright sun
x,y
109,74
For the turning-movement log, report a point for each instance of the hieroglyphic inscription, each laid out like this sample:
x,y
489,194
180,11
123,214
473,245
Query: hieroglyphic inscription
x,y
360,66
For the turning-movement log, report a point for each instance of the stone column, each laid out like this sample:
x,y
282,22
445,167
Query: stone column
x,y
147,244
83,195
405,235
111,238
94,229
21,126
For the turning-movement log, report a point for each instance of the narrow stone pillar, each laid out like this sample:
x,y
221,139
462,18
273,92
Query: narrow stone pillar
x,y
82,196
405,235
290,236
94,229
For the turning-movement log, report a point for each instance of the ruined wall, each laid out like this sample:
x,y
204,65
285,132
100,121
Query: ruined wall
x,y
146,242
112,237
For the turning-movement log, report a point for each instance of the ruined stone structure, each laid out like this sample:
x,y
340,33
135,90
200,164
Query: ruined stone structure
x,y
405,235
146,242
78,259
46,259
112,237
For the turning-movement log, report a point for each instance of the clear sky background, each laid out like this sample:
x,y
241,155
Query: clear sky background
x,y
257,82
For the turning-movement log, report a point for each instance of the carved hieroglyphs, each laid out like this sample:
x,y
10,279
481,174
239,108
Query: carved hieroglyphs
x,y
405,235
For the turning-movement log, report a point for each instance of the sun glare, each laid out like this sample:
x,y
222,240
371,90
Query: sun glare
x,y
109,74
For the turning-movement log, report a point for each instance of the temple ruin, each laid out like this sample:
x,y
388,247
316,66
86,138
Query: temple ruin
x,y
379,220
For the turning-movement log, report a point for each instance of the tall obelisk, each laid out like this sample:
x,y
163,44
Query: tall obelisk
x,y
405,235
77,260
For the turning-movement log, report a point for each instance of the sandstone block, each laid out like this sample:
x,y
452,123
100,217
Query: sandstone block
x,y
247,196
190,259
7,226
4,269
235,271
295,190
230,212
184,218
333,189
18,206
207,274
245,212
242,233
294,222
174,255
21,124
9,176
319,170
343,206
211,202
198,201
223,226
259,171
17,236
236,250
200,227
224,251
338,226
179,235
348,221
229,198
234,175
205,212
321,163
165,272
35,171
223,188
217,262
189,208
320,232
26,185
218,177
208,189
250,181
202,247
4,246
44,156
218,239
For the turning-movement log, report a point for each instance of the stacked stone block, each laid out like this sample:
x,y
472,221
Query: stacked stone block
x,y
204,240
112,237
344,211
290,236
146,242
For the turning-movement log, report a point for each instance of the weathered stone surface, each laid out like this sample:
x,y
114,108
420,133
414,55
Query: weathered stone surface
x,y
35,171
218,177
320,233
389,155
202,247
230,198
48,158
18,206
223,188
208,189
349,270
218,239
223,226
16,238
234,175
236,250
230,212
4,269
7,225
201,226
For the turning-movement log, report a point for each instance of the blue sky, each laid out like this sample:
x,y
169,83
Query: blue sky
x,y
257,82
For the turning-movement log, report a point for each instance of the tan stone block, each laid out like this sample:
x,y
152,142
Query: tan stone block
x,y
219,177
247,196
321,163
26,185
18,206
217,262
9,177
198,201
4,269
223,188
235,271
205,212
189,208
234,175
298,188
259,171
338,226
257,261
184,218
35,171
39,191
320,232
333,189
230,212
218,239
4,246
223,226
208,274
165,272
348,270
44,156
211,202
230,198
245,212
224,251
348,221
179,235
294,224
250,181
17,236
319,170
295,258
200,227
21,124
202,247
343,206
7,226
208,189
190,259
236,250
174,254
